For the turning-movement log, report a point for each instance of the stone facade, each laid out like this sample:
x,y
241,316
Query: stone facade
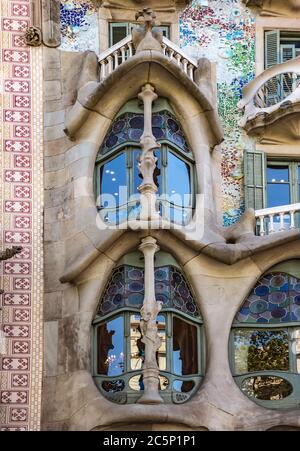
x,y
220,255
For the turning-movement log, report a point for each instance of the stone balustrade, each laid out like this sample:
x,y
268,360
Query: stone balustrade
x,y
272,94
116,55
278,219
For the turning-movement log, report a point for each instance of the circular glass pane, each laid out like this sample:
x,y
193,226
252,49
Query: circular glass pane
x,y
267,388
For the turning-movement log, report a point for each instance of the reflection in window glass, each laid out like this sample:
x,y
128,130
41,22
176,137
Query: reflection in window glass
x,y
162,352
183,386
137,348
113,177
279,192
261,350
185,359
179,181
111,347
267,388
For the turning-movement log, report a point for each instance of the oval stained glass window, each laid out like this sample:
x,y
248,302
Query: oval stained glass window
x,y
267,388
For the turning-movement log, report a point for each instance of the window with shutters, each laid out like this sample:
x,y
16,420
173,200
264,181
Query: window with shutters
x,y
120,30
280,47
271,182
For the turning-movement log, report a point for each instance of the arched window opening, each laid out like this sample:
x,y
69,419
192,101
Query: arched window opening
x,y
265,339
117,177
118,350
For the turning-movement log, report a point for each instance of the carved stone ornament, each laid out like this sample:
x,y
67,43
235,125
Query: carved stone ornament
x,y
147,37
149,328
33,37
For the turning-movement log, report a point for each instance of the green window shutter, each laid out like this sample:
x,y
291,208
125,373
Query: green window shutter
x,y
255,170
272,48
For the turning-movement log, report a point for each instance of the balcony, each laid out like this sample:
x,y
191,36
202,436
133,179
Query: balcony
x,y
277,219
271,97
115,56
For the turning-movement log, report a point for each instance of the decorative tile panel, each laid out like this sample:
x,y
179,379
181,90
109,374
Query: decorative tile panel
x,y
21,171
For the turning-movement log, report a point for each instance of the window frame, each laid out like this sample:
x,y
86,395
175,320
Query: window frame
x,y
165,28
170,394
291,376
129,149
294,180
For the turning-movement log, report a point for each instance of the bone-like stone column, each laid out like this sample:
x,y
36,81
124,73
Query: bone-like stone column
x,y
149,329
147,162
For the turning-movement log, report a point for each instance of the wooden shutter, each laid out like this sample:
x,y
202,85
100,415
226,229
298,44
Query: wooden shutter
x,y
272,48
255,175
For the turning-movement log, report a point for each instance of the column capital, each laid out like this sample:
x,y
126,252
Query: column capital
x,y
149,243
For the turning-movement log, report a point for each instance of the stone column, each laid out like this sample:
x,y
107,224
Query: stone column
x,y
150,337
147,162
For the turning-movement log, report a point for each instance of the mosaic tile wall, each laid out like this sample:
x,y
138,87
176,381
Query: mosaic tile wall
x,y
21,162
79,26
224,32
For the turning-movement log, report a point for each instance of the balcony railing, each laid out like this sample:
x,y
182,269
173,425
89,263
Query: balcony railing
x,y
270,93
112,58
277,219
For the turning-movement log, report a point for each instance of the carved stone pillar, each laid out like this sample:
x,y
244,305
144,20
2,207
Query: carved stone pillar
x,y
147,163
150,337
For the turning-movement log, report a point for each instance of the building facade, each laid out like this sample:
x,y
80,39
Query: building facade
x,y
150,166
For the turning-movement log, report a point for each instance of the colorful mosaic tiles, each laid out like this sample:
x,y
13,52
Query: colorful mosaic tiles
x,y
126,289
274,300
79,26
129,127
21,163
224,32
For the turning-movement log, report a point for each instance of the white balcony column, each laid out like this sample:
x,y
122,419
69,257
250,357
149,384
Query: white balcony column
x,y
116,56
149,329
271,226
293,226
262,226
123,52
103,70
110,64
282,226
147,163
191,71
178,59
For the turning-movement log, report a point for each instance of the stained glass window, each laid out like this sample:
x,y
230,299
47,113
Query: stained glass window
x,y
265,339
275,299
126,289
119,347
128,128
117,177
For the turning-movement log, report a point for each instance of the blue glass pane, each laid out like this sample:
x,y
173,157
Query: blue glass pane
x,y
278,194
113,178
278,174
111,347
179,181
